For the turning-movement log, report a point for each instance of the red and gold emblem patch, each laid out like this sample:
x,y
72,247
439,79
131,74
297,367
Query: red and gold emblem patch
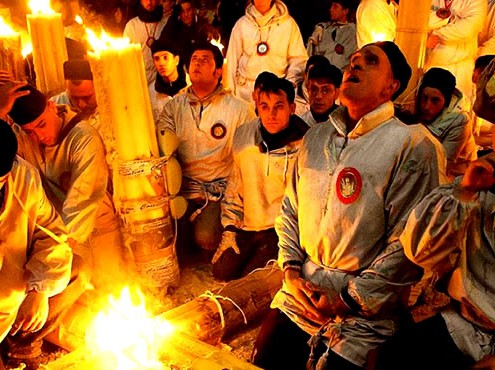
x,y
218,130
349,185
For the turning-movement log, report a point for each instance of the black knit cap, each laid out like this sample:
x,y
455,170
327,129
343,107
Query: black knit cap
x,y
28,107
400,67
8,148
164,44
77,69
440,79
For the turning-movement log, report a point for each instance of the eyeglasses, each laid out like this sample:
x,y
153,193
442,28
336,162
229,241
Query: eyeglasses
x,y
324,90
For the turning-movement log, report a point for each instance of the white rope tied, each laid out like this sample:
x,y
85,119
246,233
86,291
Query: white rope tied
x,y
215,298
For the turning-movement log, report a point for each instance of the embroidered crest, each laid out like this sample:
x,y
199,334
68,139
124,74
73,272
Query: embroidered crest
x,y
443,13
349,185
339,49
218,130
262,48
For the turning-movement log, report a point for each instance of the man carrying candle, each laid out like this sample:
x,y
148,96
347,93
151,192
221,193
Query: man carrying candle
x,y
204,119
35,266
77,177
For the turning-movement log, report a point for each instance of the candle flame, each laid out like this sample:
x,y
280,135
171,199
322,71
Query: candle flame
x,y
377,36
40,6
127,333
79,20
5,29
105,42
218,44
27,49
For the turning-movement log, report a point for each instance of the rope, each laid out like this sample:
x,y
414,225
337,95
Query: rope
x,y
215,298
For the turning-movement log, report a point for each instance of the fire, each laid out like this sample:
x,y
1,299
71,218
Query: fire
x,y
127,335
5,29
105,42
40,6
79,19
218,44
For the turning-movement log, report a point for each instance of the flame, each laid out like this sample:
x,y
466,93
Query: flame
x,y
27,49
40,6
79,19
218,44
105,42
128,334
5,29
377,36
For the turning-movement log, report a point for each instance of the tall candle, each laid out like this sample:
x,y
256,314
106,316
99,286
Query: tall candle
x,y
11,51
49,48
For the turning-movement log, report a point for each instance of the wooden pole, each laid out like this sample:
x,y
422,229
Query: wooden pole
x,y
237,306
412,32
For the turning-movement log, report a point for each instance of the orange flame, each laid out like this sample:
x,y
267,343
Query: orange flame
x,y
128,336
6,30
40,7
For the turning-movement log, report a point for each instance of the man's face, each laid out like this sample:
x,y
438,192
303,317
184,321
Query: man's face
x,y
46,128
262,6
368,80
431,104
150,5
274,111
338,13
202,68
165,63
322,95
168,5
82,94
186,13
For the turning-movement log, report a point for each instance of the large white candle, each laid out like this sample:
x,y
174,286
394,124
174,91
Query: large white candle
x,y
11,51
49,48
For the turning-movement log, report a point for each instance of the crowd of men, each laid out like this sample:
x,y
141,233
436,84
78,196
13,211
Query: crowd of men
x,y
301,158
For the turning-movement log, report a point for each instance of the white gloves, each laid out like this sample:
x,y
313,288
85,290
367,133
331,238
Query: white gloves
x,y
228,241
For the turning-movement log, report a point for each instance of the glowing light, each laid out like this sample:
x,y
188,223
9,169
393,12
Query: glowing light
x,y
377,36
218,44
40,7
5,29
79,19
27,49
127,333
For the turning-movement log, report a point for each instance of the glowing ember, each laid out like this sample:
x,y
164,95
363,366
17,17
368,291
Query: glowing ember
x,y
79,19
105,42
40,6
128,335
5,29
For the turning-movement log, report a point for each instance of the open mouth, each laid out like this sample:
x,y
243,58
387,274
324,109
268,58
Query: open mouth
x,y
352,78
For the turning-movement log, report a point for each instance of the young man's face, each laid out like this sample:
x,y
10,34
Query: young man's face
x,y
338,13
168,5
274,111
368,80
82,94
431,104
46,128
186,13
322,95
165,63
202,67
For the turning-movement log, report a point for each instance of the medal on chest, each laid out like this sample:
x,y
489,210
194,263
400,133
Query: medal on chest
x,y
339,49
218,130
444,13
149,41
348,185
262,48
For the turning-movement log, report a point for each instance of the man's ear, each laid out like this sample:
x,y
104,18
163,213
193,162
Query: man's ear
x,y
292,108
394,86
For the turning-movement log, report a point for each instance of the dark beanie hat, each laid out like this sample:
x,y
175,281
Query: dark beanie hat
x,y
400,68
439,79
28,107
77,69
8,148
164,45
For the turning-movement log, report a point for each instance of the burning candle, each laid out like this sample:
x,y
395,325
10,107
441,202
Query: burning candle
x,y
10,51
49,48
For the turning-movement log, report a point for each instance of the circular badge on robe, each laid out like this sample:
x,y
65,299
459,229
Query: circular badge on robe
x,y
149,41
218,130
349,185
443,13
262,48
339,49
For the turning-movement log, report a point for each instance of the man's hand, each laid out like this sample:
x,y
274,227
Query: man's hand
x,y
32,313
302,290
9,92
432,41
228,241
329,303
480,175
